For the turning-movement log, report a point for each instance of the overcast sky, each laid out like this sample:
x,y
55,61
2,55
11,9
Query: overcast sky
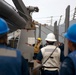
x,y
48,8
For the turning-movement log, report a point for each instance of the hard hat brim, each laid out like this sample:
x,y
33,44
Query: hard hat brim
x,y
65,35
39,39
3,32
50,39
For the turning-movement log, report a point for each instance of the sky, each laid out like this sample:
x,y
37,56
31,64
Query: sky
x,y
48,8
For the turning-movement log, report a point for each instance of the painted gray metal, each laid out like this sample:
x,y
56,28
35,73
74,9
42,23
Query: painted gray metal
x,y
22,10
27,51
67,16
11,16
56,31
47,29
40,30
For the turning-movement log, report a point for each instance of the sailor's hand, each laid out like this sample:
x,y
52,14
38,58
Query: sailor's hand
x,y
28,44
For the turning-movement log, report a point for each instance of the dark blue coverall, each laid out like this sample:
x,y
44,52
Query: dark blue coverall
x,y
68,67
12,62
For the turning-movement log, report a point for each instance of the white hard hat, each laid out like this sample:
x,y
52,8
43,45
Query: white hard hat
x,y
50,37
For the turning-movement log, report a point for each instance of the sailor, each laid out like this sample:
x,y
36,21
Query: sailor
x,y
11,60
69,64
51,66
37,46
